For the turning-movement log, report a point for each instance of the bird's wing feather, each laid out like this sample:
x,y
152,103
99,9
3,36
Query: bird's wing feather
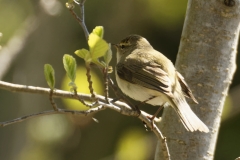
x,y
149,75
185,89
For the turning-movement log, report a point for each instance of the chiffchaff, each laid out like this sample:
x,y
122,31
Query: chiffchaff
x,y
146,75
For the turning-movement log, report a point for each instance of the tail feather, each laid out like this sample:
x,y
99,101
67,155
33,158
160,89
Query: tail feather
x,y
189,119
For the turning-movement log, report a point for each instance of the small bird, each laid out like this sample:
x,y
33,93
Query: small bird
x,y
146,75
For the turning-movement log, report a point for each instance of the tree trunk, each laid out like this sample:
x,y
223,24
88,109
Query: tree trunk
x,y
206,59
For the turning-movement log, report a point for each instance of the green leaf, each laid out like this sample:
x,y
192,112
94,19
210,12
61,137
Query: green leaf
x,y
49,75
98,31
108,56
96,61
97,46
84,54
70,66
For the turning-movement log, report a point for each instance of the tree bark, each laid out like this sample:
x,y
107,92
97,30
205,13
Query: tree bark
x,y
206,58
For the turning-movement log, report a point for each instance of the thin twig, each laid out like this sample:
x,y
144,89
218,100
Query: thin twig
x,y
106,90
54,105
82,101
143,116
59,111
81,19
90,86
118,106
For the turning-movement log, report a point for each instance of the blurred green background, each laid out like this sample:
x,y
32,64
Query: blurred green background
x,y
42,31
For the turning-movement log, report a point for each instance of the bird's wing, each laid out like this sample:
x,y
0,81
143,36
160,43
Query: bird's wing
x,y
185,89
150,76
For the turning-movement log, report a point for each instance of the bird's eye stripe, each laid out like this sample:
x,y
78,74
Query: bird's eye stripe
x,y
122,46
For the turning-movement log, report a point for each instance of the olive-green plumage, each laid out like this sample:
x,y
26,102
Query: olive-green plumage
x,y
143,73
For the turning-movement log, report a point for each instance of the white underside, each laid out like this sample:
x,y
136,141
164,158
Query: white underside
x,y
140,93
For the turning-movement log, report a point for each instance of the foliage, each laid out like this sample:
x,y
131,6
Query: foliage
x,y
98,47
49,75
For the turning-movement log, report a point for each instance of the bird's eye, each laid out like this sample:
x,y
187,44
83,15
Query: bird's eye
x,y
122,46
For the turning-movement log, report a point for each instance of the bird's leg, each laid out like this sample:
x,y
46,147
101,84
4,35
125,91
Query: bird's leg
x,y
155,115
145,101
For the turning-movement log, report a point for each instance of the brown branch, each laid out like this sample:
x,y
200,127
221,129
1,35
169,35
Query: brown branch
x,y
89,79
106,90
82,101
118,106
59,111
81,19
54,105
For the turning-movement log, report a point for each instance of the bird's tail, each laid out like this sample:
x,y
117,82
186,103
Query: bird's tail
x,y
189,119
